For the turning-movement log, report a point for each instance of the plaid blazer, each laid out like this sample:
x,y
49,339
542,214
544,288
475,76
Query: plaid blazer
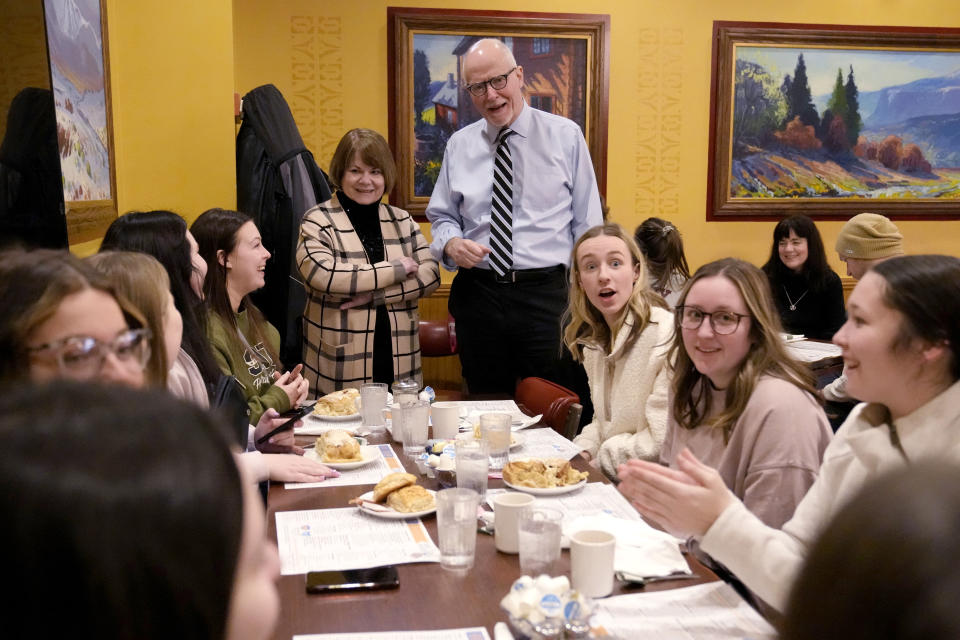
x,y
338,344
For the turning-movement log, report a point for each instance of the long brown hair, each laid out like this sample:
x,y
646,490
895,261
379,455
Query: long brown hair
x,y
216,230
767,356
586,324
144,282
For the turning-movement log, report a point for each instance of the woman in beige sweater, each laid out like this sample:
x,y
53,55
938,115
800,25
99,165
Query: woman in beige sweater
x,y
620,329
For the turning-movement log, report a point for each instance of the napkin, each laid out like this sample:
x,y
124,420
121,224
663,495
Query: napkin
x,y
642,551
518,421
526,422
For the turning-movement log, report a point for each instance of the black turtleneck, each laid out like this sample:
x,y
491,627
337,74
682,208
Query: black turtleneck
x,y
365,219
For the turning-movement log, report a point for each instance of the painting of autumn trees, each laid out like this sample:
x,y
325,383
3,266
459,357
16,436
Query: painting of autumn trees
x,y
858,123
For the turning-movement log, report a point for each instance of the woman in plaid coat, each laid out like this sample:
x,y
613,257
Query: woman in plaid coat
x,y
365,266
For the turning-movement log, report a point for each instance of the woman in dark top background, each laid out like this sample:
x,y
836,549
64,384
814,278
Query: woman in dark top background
x,y
807,292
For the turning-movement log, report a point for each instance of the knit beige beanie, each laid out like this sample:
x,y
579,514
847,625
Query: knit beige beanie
x,y
868,236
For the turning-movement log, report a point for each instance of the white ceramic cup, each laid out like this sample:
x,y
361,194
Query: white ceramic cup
x,y
507,508
591,562
446,420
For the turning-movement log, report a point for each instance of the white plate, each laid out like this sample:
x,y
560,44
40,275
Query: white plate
x,y
390,514
352,416
368,453
552,491
516,439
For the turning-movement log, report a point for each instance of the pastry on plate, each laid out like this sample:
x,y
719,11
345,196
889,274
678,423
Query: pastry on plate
x,y
542,474
338,445
410,499
338,403
391,483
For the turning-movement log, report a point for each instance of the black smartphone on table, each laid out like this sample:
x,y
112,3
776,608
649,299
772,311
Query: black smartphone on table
x,y
292,416
353,580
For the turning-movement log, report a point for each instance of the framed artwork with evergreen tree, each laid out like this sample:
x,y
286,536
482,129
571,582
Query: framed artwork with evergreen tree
x,y
832,120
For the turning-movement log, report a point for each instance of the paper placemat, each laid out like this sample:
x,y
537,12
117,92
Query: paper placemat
x,y
333,539
545,443
712,610
372,473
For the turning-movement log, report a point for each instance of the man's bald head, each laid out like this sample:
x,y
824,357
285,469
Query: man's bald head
x,y
487,49
487,60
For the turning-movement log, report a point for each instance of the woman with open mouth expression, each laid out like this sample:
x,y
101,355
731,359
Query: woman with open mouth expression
x,y
740,402
619,328
244,343
807,292
902,346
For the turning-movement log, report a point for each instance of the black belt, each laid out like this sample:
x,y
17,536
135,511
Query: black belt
x,y
515,275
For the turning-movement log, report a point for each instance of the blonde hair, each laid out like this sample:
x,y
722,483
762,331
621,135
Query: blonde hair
x,y
767,356
142,280
585,322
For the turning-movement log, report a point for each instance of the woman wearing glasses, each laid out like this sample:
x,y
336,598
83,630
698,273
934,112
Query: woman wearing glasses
x,y
901,348
740,403
61,319
620,331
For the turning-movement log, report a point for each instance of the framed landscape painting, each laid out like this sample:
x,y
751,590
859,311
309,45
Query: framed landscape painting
x,y
79,72
833,120
565,60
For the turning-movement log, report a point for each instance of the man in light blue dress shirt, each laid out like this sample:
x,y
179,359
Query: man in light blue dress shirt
x,y
508,326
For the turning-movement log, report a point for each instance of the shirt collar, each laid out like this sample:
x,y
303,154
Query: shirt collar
x,y
521,125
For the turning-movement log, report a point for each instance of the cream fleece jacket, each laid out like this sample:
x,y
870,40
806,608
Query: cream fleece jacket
x,y
629,388
768,560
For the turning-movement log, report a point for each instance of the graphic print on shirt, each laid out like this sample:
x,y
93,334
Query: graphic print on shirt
x,y
259,365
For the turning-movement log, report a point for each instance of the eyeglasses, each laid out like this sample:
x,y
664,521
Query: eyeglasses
x,y
83,356
722,322
496,83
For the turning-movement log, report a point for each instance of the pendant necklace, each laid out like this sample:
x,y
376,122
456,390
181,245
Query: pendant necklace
x,y
793,305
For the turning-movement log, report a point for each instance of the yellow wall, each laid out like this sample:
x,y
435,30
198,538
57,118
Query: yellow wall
x,y
171,74
329,60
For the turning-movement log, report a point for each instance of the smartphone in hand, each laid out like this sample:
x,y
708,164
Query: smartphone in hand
x,y
292,416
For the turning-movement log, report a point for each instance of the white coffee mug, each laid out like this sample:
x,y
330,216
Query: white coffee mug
x,y
591,562
506,519
445,417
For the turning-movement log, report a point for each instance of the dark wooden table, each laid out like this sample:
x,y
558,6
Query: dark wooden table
x,y
429,597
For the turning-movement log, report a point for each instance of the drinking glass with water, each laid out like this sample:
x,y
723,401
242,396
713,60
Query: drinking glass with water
x,y
539,534
472,460
457,527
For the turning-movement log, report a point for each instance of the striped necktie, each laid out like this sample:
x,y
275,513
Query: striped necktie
x,y
501,217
